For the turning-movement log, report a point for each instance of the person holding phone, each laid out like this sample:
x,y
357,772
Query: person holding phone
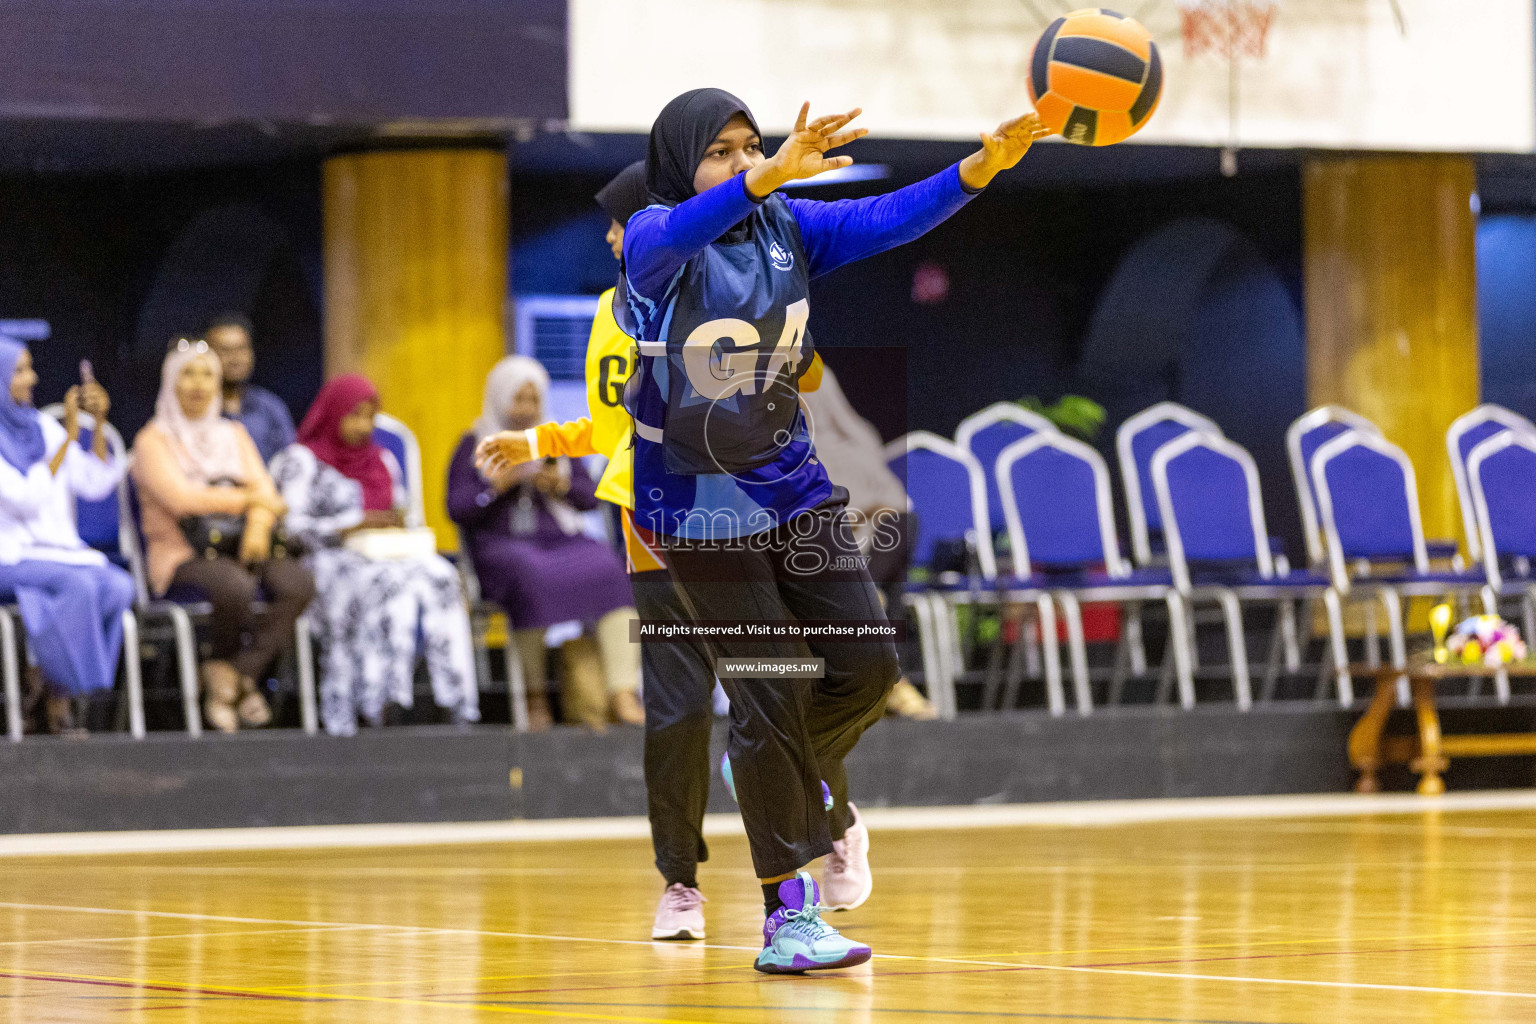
x,y
71,598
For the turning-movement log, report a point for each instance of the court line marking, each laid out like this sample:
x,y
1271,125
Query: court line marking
x,y
925,1012
110,981
1096,813
1060,968
183,935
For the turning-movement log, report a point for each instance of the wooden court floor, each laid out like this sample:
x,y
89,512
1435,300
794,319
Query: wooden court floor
x,y
1391,918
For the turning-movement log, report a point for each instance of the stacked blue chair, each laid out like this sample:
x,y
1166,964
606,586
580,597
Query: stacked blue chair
x,y
986,433
1059,509
947,493
1136,441
1501,475
1368,503
1465,434
1219,549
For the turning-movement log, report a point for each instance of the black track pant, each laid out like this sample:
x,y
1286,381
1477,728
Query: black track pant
x,y
679,685
787,735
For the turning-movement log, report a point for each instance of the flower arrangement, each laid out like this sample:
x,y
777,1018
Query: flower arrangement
x,y
1481,640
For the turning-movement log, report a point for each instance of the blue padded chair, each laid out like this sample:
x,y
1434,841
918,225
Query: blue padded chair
x,y
1303,438
947,494
1465,434
396,438
1219,548
1501,475
1059,508
1368,502
99,526
986,433
1136,441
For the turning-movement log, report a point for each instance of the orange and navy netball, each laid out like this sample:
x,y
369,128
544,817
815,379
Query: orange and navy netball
x,y
1095,77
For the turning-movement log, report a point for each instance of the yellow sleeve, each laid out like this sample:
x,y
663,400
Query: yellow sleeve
x,y
573,439
811,379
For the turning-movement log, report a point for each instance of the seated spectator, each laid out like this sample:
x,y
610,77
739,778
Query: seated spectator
x,y
71,599
337,481
850,448
264,415
524,531
196,470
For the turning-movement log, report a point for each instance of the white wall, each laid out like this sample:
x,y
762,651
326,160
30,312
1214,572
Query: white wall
x,y
1338,72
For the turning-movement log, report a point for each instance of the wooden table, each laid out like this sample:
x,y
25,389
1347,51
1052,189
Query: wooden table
x,y
1429,752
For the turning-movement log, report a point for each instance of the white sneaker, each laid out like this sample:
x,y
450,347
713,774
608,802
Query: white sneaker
x,y
680,914
846,878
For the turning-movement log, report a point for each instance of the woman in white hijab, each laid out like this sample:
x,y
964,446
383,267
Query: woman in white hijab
x,y
522,528
190,463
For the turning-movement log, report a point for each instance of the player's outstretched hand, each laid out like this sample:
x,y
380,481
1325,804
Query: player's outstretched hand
x,y
1001,148
500,452
804,153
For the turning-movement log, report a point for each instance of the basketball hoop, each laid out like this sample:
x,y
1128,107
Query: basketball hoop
x,y
1226,28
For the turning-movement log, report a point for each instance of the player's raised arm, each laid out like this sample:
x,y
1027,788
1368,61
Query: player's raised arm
x,y
1001,148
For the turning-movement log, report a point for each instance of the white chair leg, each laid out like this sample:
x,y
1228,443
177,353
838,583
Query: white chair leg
x,y
133,674
950,665
1055,696
1135,640
186,662
1077,648
1290,637
1237,649
1392,601
1372,637
11,673
1179,633
1343,681
927,644
517,688
305,651
1501,677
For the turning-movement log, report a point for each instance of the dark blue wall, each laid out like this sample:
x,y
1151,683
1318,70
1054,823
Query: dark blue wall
x,y
1506,309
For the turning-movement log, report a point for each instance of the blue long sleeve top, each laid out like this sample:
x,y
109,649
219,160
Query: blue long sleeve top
x,y
658,240
659,244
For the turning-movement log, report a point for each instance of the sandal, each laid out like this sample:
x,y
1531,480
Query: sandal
x,y
221,687
253,709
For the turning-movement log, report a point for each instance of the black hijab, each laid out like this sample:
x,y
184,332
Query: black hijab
x,y
625,195
680,137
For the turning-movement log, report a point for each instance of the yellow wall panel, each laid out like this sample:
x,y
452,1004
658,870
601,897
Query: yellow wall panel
x,y
415,289
1391,297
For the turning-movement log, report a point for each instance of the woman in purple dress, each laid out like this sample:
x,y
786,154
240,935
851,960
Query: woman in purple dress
x,y
523,531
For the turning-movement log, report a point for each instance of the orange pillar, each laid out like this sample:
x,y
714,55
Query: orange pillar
x,y
1391,297
415,289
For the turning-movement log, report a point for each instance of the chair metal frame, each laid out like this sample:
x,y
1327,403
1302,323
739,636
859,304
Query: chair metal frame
x,y
1390,591
1071,598
480,611
1230,597
1485,413
1306,497
1498,585
991,416
934,605
1130,473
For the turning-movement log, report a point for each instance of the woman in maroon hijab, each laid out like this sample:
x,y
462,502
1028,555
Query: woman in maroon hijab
x,y
340,484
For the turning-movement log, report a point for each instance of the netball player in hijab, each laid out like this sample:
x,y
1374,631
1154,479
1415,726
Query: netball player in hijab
x,y
715,290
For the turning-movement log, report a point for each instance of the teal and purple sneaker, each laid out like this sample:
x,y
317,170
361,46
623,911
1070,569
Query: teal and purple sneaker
x,y
796,939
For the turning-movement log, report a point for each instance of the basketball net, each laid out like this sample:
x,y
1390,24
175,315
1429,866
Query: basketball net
x,y
1227,28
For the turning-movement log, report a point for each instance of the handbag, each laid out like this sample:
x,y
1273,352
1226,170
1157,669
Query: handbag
x,y
216,534
220,534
